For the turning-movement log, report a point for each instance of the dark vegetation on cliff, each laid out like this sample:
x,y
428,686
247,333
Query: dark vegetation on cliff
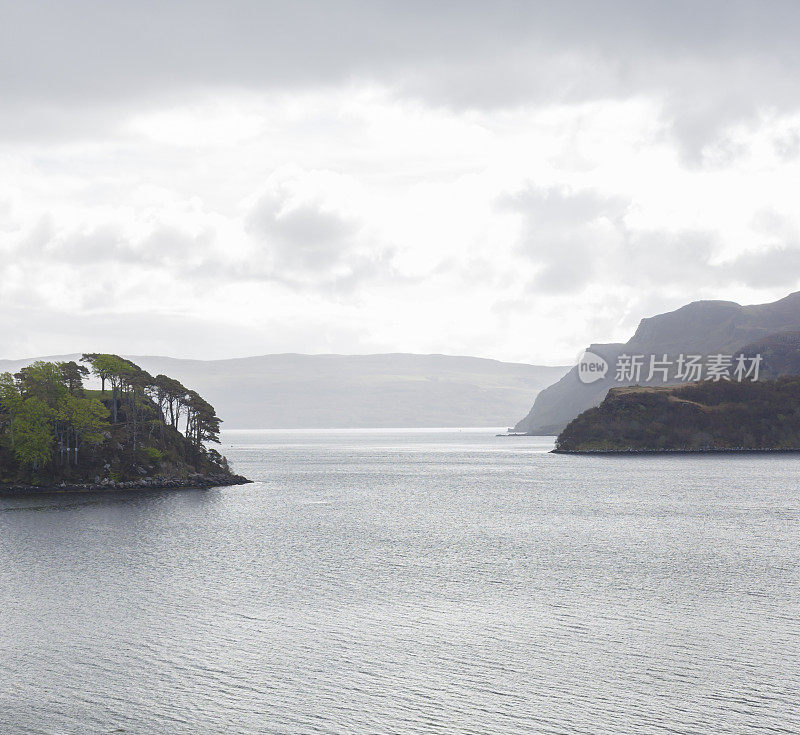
x,y
705,416
53,430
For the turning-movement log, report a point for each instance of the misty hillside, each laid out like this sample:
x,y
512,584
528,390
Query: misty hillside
x,y
354,391
702,327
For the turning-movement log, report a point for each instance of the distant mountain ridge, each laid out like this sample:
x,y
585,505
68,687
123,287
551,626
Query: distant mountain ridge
x,y
353,391
701,327
716,326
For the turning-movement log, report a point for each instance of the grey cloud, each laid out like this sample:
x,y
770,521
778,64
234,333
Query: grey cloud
x,y
303,237
560,237
687,259
560,234
103,244
787,146
107,243
556,207
102,265
306,245
712,62
37,239
565,275
92,47
775,267
775,225
777,263
666,258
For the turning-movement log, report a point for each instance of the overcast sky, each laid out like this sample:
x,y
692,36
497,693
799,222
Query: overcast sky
x,y
508,179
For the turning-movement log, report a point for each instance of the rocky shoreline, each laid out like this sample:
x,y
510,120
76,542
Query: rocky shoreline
x,y
732,450
157,482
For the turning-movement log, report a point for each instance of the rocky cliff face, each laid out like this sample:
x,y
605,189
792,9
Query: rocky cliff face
x,y
780,354
702,327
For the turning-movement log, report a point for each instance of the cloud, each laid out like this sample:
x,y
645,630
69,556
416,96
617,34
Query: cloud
x,y
290,237
304,242
565,233
108,242
164,246
772,268
664,258
304,237
350,163
712,64
579,238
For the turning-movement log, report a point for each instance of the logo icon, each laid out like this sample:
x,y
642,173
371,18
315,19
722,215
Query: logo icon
x,y
591,367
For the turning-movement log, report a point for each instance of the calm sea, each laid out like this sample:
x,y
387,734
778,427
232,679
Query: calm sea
x,y
378,582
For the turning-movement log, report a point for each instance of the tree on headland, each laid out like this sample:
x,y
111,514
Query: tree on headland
x,y
202,423
73,376
98,370
46,407
114,369
86,419
43,380
31,437
51,425
171,395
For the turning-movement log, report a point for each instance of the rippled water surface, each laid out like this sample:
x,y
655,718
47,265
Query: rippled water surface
x,y
410,582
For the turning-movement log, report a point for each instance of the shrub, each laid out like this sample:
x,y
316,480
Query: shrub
x,y
153,454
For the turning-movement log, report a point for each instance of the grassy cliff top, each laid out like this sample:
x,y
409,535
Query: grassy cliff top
x,y
706,416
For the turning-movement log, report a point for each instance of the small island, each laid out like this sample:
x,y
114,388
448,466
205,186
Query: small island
x,y
136,432
708,416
